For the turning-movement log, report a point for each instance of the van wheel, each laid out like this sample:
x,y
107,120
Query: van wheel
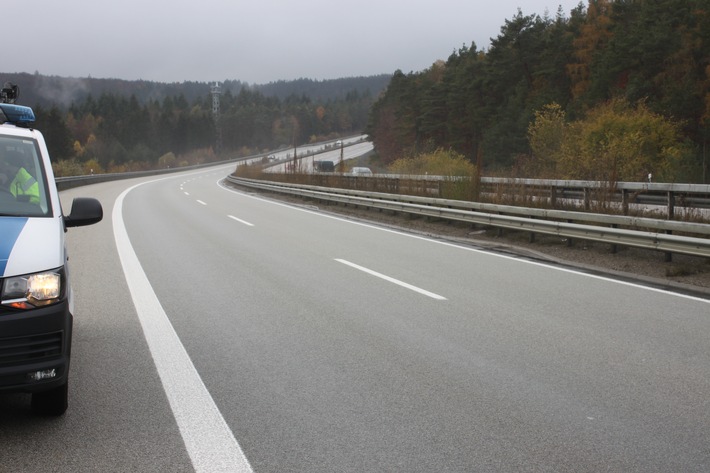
x,y
52,402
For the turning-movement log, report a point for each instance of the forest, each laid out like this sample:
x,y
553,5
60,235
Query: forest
x,y
617,90
109,125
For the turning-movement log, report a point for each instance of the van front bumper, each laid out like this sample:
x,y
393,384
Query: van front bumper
x,y
35,348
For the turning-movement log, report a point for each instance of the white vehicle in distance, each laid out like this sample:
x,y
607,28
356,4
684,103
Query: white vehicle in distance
x,y
360,171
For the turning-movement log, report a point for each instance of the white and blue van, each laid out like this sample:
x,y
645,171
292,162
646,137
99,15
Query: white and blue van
x,y
35,295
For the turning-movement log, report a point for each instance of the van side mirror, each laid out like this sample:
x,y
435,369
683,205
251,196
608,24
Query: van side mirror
x,y
84,211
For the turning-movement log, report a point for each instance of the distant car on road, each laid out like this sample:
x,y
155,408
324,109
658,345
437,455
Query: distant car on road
x,y
361,171
324,166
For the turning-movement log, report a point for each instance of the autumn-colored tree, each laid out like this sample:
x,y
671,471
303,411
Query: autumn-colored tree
x,y
441,162
167,160
546,135
593,35
84,126
620,142
92,166
460,177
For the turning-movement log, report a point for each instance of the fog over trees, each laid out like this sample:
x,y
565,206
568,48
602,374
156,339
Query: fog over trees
x,y
111,125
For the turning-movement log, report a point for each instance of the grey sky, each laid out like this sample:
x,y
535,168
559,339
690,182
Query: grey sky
x,y
256,42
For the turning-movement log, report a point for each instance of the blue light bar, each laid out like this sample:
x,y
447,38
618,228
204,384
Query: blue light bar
x,y
17,114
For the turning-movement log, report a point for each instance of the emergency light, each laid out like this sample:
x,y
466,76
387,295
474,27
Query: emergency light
x,y
16,114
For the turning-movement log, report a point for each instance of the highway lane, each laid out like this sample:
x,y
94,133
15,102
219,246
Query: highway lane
x,y
118,417
322,346
353,149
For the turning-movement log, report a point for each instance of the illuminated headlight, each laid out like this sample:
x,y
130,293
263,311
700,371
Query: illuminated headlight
x,y
33,290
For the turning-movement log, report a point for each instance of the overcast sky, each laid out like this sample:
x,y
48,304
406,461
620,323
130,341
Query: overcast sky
x,y
256,42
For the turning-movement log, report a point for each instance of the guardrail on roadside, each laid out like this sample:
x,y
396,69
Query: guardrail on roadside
x,y
69,182
596,227
669,195
663,196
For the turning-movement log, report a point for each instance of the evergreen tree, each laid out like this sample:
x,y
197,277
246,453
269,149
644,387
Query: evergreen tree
x,y
56,133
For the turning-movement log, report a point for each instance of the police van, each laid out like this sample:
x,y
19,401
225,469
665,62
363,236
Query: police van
x,y
35,294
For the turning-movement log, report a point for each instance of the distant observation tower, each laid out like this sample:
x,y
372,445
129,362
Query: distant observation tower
x,y
216,91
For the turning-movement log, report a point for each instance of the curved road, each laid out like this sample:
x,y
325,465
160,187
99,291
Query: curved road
x,y
219,331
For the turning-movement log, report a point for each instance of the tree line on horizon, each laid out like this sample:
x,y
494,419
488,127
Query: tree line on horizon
x,y
618,90
136,127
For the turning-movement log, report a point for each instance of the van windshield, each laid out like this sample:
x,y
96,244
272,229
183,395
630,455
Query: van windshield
x,y
23,184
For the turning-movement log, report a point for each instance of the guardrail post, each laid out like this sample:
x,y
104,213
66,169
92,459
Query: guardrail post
x,y
671,215
553,197
531,235
587,198
625,201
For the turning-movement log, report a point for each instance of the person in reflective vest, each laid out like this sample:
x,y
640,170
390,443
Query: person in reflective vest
x,y
23,184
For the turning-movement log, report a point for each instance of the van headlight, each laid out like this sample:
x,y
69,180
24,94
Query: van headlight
x,y
32,290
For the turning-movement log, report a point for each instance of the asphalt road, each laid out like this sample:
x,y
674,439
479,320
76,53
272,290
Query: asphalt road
x,y
227,332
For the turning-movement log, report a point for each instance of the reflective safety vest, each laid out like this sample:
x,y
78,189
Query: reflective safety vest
x,y
25,184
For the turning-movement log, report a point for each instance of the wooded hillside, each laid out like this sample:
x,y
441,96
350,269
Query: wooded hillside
x,y
601,80
111,125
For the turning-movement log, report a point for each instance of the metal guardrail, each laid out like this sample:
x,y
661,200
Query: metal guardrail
x,y
552,222
668,195
657,187
68,182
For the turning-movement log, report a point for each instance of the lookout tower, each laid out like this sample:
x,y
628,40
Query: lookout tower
x,y
216,91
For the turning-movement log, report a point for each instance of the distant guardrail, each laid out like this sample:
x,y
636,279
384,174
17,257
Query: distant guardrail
x,y
613,229
68,182
664,197
668,195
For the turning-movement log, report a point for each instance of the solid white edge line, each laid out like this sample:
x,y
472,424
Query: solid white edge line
x,y
210,443
392,280
475,250
240,220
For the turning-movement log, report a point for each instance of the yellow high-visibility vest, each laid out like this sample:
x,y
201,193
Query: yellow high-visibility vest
x,y
25,184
